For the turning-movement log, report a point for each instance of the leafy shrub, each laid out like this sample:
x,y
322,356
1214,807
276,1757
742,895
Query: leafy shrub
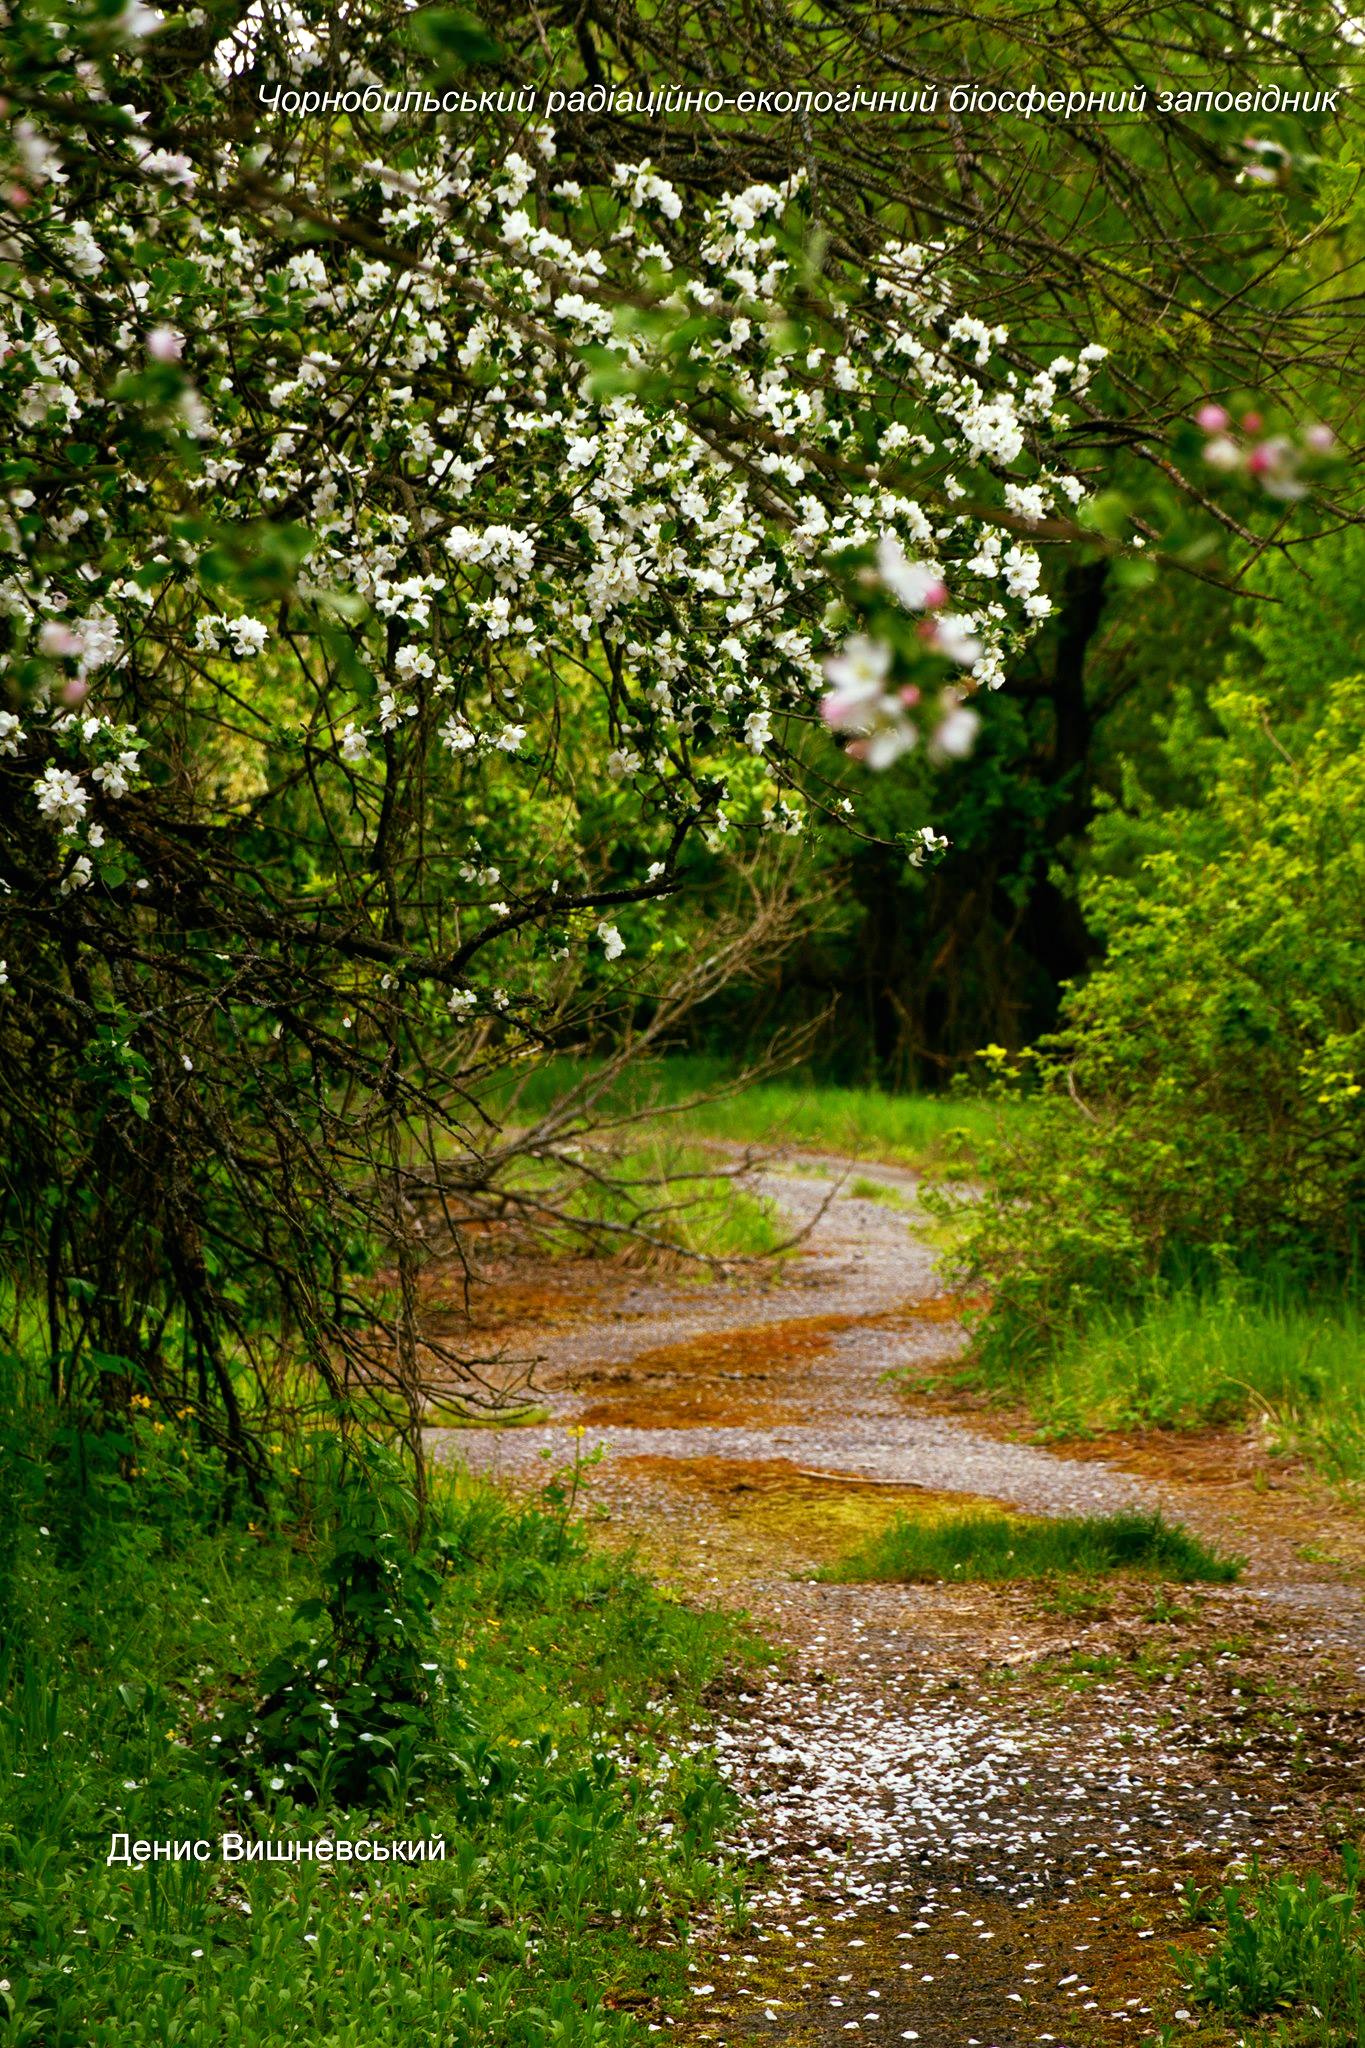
x,y
1200,1111
353,1710
1290,1942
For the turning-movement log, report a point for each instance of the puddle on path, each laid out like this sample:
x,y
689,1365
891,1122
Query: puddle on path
x,y
765,1516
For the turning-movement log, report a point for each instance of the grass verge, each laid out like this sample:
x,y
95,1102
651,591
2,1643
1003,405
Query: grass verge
x,y
793,1109
562,1766
977,1545
1190,1360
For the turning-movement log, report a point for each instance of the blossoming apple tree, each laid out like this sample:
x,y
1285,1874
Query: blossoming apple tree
x,y
416,557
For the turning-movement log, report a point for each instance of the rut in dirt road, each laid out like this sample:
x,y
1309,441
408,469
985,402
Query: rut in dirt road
x,y
971,1808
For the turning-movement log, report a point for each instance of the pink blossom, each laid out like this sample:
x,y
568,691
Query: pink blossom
x,y
56,639
1275,462
164,344
893,737
1212,418
860,703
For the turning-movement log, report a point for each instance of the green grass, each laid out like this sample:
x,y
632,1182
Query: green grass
x,y
672,1192
581,1830
1189,1360
451,1415
865,1190
791,1110
975,1545
655,1195
1290,1948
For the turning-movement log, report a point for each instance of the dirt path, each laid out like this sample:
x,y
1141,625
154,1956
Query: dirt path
x,y
973,1808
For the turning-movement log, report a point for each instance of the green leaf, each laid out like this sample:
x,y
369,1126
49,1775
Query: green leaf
x,y
446,32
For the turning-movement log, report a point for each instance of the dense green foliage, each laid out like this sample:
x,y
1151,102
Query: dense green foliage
x,y
532,1701
1200,1111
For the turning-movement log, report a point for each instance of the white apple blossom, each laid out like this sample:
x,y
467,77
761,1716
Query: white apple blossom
x,y
859,674
136,20
955,736
172,167
959,636
62,797
917,585
758,729
56,638
38,160
116,776
79,875
497,473
929,845
861,705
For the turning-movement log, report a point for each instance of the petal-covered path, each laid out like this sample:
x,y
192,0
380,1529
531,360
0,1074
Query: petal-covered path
x,y
973,1808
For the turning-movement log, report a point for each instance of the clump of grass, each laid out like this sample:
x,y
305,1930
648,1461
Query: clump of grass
x,y
1291,1946
984,1545
864,1190
675,1195
451,1415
